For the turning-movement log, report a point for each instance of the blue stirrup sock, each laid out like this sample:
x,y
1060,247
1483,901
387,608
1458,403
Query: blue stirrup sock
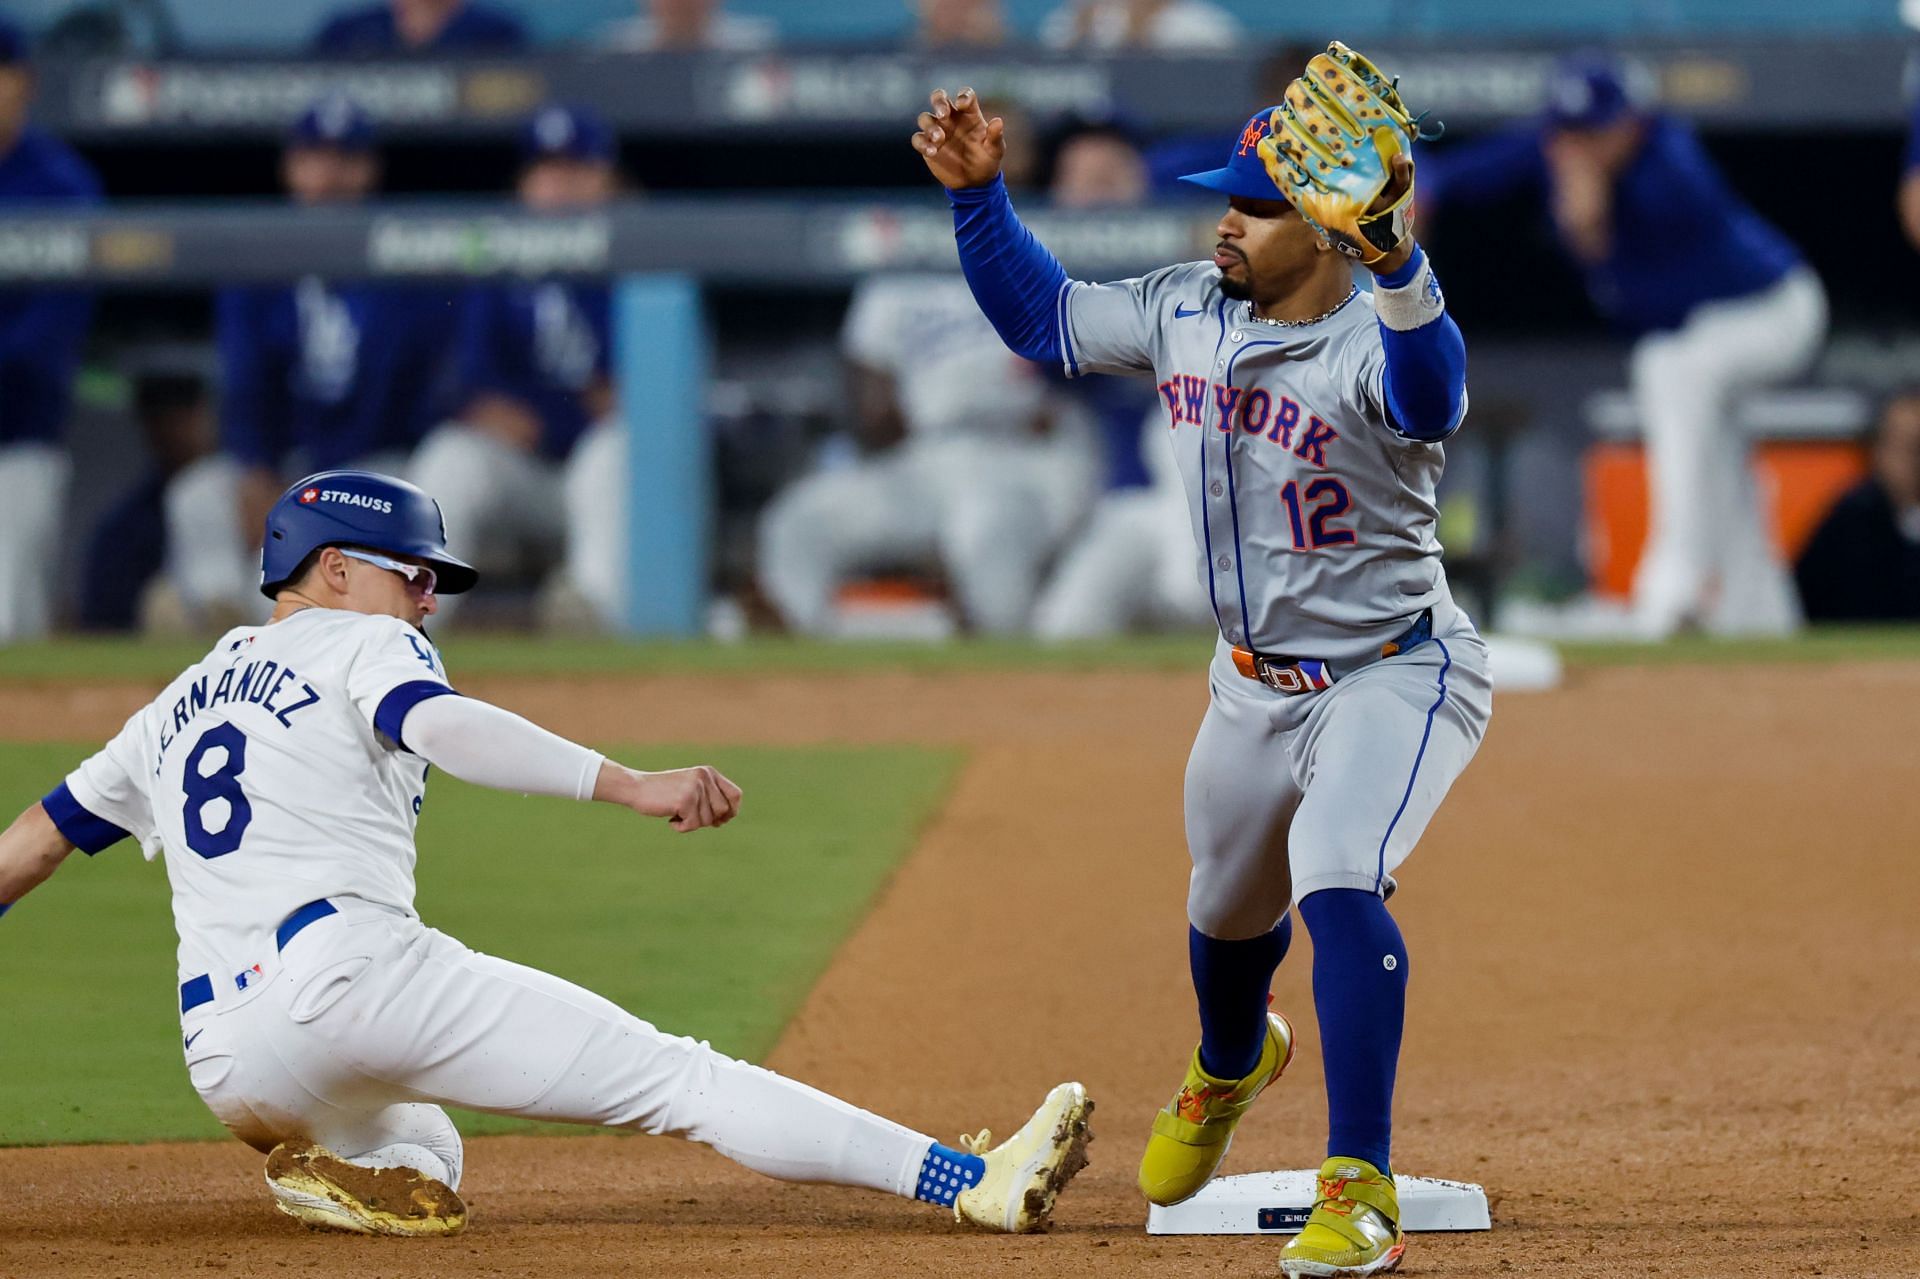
x,y
945,1172
1231,980
1360,996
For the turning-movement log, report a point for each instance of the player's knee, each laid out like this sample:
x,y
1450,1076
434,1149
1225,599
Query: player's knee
x,y
1233,910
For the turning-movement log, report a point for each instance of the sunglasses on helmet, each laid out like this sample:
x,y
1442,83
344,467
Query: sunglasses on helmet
x,y
418,576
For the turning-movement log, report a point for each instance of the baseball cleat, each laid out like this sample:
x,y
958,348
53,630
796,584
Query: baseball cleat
x,y
1355,1225
1027,1172
315,1186
1192,1132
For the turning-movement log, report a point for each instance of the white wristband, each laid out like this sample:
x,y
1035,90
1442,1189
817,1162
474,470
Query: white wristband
x,y
1413,305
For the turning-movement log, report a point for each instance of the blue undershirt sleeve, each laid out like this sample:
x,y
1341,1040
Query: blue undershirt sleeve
x,y
1014,279
1426,357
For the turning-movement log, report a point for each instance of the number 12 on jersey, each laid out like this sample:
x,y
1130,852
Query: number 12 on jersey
x,y
1328,500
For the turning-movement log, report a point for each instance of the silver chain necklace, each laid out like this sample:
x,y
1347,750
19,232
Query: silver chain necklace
x,y
1327,314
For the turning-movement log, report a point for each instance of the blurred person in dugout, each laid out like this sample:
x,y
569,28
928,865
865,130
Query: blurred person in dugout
x,y
1863,562
689,26
535,459
1102,26
419,26
972,463
42,331
958,24
1132,564
1908,202
316,375
126,557
1718,303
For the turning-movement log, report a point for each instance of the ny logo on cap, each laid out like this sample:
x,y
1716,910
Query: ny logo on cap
x,y
1251,135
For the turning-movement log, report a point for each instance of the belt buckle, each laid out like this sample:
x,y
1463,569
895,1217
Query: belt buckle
x,y
1289,677
1284,679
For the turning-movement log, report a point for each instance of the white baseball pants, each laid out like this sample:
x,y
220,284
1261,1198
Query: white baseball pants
x,y
33,492
369,1020
1709,558
498,499
989,511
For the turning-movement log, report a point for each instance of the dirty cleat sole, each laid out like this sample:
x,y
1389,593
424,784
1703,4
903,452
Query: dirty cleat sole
x,y
1027,1172
319,1189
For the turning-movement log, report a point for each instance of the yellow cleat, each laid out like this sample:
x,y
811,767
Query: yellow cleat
x,y
313,1185
1192,1132
1027,1171
1355,1226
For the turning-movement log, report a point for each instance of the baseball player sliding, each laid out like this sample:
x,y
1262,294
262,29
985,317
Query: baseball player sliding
x,y
1348,691
282,777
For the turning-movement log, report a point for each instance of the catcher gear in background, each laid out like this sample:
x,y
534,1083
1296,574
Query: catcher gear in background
x,y
357,508
1331,146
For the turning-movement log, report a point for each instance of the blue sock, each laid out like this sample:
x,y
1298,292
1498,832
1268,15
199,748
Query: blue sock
x,y
1360,996
1231,980
945,1172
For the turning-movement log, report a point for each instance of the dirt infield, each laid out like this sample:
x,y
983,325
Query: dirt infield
x,y
1665,954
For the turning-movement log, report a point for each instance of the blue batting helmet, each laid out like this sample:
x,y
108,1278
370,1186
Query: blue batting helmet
x,y
357,508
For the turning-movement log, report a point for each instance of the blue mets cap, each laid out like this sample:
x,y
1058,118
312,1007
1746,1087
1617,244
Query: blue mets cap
x,y
1245,173
14,45
563,132
333,120
1590,90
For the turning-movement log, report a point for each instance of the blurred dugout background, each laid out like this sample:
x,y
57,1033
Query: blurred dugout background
x,y
312,233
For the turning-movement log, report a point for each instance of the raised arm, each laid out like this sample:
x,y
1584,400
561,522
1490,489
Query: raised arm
x,y
30,850
1425,381
487,746
1016,281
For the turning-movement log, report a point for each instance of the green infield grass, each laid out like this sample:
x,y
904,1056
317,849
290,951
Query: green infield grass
x,y
717,934
77,659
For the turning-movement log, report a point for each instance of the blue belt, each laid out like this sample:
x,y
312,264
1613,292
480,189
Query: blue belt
x,y
196,991
1310,675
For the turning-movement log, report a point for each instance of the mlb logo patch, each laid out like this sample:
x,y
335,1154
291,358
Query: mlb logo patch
x,y
244,979
309,496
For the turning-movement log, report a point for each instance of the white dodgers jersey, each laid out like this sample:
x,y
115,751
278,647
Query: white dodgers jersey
x,y
270,773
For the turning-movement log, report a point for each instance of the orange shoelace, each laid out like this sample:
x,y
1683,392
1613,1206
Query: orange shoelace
x,y
1191,1105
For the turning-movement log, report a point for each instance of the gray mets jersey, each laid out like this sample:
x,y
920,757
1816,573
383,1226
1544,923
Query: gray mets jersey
x,y
1315,518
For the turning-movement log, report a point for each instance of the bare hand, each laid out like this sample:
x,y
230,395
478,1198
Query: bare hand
x,y
961,146
690,798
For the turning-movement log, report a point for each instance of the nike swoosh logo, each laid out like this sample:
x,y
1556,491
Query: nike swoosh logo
x,y
188,1042
1181,312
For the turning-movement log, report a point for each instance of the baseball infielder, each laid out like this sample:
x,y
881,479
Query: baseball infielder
x,y
282,777
1348,691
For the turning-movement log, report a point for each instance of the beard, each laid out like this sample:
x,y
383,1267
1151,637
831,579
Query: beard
x,y
1240,289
